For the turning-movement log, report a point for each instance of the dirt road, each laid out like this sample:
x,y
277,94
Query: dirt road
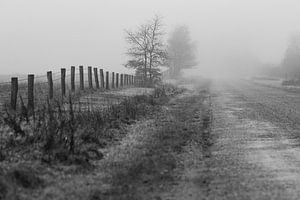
x,y
242,143
255,152
257,134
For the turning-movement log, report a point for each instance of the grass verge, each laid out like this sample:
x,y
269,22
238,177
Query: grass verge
x,y
57,135
150,159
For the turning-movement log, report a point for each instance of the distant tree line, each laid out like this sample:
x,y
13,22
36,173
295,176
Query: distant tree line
x,y
291,60
148,51
289,68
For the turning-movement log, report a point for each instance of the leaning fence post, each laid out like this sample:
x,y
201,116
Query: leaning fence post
x,y
90,78
96,77
30,93
81,77
107,80
113,80
117,80
50,84
63,82
14,93
73,79
122,80
102,78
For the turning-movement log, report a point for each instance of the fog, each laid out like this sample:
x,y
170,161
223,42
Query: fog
x,y
233,36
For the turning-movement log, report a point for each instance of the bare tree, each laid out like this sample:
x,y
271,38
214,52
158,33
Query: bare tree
x,y
156,49
181,51
146,49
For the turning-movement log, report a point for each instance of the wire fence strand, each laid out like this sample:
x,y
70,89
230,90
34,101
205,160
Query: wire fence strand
x,y
41,87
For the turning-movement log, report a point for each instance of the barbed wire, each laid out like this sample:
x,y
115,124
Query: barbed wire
x,y
41,81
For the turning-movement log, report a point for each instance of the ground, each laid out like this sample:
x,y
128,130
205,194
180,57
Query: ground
x,y
255,151
216,140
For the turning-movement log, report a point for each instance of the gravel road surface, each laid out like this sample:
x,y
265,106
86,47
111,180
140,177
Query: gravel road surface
x,y
255,152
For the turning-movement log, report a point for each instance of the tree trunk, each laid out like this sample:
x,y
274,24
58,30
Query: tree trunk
x,y
150,67
145,70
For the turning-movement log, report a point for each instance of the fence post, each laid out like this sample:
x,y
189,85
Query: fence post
x,y
81,77
90,78
129,81
102,78
30,104
73,79
132,79
96,77
117,80
113,80
107,80
50,84
63,82
14,93
122,80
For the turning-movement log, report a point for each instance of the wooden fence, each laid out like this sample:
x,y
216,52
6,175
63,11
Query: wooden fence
x,y
58,85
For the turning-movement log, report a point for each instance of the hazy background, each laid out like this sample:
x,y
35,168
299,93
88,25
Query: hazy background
x,y
232,35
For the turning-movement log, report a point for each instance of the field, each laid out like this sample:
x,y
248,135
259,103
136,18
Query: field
x,y
277,84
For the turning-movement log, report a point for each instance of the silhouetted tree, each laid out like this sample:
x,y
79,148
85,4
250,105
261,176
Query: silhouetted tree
x,y
181,51
146,49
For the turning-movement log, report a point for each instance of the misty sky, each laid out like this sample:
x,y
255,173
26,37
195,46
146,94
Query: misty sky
x,y
40,35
